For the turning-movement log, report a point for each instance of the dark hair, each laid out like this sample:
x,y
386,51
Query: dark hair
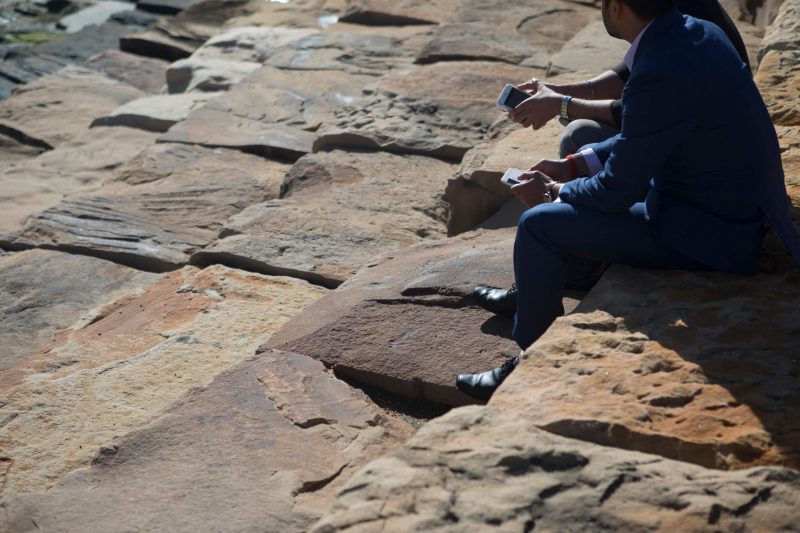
x,y
650,9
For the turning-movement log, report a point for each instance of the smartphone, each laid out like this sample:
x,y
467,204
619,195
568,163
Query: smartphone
x,y
511,97
511,177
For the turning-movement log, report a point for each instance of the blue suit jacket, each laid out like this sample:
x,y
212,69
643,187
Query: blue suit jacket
x,y
698,144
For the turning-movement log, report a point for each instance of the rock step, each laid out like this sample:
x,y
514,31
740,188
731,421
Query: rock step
x,y
699,367
480,468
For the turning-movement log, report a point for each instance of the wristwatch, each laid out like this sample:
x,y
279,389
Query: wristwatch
x,y
564,118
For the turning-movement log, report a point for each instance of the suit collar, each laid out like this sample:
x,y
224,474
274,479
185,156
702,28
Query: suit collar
x,y
656,28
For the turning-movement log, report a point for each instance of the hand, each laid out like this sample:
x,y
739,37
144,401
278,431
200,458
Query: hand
x,y
537,110
532,85
533,189
558,169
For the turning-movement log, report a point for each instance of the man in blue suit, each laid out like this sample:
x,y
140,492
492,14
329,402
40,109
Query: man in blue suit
x,y
696,142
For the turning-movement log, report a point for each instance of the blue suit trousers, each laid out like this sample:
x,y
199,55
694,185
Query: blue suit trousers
x,y
548,235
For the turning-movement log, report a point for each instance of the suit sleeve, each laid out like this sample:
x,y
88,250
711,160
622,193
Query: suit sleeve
x,y
658,116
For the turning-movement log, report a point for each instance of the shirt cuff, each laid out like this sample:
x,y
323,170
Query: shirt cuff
x,y
592,161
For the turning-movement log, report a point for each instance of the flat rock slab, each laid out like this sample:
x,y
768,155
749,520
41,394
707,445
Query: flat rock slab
x,y
697,367
169,7
95,14
156,224
590,51
484,468
153,43
144,73
294,14
78,165
59,107
88,41
44,292
273,112
789,138
276,434
452,105
400,12
782,33
13,152
339,212
155,113
408,323
130,362
524,33
778,80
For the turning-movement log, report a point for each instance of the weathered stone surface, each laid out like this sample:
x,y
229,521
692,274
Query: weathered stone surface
x,y
408,323
59,107
21,65
155,113
77,165
88,41
399,12
452,105
95,14
190,74
131,360
294,14
782,34
476,193
144,73
339,211
44,292
778,80
169,7
12,152
275,434
525,33
789,138
152,43
696,367
349,47
156,224
476,469
273,112
590,51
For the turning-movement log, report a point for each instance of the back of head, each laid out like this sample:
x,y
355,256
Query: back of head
x,y
650,9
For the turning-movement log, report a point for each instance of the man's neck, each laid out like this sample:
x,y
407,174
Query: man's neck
x,y
632,30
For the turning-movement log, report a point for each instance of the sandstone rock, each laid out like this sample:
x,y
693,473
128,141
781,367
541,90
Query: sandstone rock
x,y
95,14
20,65
476,193
169,7
294,14
275,434
156,225
155,113
13,152
59,107
523,33
144,73
789,138
778,80
399,12
340,211
782,34
482,468
88,41
590,51
77,165
407,324
273,112
695,367
130,362
152,43
349,47
452,105
191,74
45,292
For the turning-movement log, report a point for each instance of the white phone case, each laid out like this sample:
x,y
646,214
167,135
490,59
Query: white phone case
x,y
511,176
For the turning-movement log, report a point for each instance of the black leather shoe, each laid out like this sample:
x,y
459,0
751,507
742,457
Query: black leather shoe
x,y
482,385
498,301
